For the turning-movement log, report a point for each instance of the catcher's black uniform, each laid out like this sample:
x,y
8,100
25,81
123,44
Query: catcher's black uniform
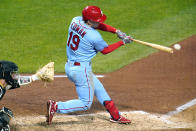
x,y
2,91
5,113
7,70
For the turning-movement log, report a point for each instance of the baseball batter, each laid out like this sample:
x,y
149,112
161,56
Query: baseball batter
x,y
83,43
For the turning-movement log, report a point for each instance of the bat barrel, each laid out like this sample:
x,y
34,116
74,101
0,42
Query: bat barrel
x,y
156,46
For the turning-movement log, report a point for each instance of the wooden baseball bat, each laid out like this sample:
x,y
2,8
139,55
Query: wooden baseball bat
x,y
156,46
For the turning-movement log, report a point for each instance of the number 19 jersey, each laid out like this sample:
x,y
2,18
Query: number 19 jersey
x,y
83,41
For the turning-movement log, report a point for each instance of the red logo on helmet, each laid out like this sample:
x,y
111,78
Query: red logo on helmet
x,y
93,13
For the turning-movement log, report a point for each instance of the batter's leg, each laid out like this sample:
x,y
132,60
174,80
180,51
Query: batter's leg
x,y
105,100
84,101
100,91
84,86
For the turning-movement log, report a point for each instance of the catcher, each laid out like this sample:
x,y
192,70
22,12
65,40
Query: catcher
x,y
10,79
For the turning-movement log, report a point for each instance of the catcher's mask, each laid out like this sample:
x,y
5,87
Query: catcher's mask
x,y
93,13
9,72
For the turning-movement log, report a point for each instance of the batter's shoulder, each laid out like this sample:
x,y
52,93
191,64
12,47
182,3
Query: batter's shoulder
x,y
94,35
77,18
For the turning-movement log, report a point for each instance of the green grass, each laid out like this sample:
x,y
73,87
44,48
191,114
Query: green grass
x,y
34,32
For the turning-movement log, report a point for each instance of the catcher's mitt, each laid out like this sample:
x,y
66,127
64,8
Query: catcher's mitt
x,y
46,73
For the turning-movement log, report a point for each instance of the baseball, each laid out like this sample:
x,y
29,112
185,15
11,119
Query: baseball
x,y
177,47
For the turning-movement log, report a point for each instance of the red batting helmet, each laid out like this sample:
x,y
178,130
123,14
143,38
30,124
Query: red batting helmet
x,y
93,13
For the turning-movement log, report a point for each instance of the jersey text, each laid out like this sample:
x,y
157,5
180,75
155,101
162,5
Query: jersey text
x,y
78,29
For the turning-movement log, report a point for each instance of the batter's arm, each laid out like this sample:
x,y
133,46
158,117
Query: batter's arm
x,y
105,27
108,28
112,47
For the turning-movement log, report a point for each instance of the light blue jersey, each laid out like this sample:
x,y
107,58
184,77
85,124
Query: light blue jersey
x,y
83,41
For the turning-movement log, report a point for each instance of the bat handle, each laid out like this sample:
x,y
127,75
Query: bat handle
x,y
131,38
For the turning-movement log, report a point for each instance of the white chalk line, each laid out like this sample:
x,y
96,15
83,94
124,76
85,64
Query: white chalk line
x,y
183,107
62,76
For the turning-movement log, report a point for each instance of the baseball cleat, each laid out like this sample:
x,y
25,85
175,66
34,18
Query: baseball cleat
x,y
121,120
51,109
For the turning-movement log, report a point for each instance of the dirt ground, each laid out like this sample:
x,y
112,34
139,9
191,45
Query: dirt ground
x,y
156,84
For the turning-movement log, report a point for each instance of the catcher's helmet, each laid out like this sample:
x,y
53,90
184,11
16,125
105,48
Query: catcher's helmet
x,y
93,13
7,70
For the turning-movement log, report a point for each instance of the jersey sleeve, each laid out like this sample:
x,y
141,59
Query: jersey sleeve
x,y
112,47
105,27
99,43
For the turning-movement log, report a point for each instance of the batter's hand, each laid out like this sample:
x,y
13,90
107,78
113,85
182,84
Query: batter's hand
x,y
120,34
127,40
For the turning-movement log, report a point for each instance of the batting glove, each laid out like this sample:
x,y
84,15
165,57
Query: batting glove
x,y
127,40
120,34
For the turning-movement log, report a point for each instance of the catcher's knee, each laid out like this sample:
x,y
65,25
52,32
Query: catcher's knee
x,y
5,116
5,128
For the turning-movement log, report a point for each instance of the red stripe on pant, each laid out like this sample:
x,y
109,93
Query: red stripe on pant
x,y
88,87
